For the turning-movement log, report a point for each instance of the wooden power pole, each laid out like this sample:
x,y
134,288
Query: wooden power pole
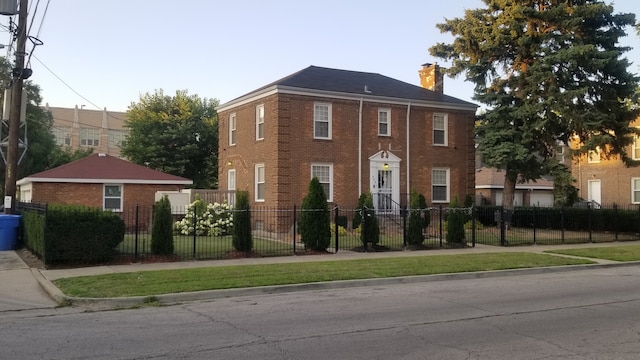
x,y
14,112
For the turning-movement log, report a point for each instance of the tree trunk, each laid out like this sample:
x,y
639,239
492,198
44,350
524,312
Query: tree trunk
x,y
508,196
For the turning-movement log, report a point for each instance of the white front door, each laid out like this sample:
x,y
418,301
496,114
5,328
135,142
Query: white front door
x,y
594,191
384,168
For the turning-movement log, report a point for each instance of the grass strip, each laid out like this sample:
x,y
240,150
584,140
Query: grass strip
x,y
615,253
147,283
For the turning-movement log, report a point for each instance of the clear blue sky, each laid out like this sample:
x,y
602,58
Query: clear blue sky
x,y
111,52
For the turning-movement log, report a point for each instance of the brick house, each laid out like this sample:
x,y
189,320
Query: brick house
x,y
490,190
99,180
608,181
356,131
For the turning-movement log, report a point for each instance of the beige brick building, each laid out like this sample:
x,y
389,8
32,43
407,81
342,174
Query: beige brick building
x,y
357,132
101,130
608,181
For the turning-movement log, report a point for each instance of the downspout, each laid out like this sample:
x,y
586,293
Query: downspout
x,y
408,152
360,149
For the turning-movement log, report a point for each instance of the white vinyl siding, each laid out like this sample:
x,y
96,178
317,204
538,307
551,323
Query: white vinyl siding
x,y
384,122
440,134
324,173
322,121
440,185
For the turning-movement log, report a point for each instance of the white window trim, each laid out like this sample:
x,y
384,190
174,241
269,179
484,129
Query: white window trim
x,y
448,180
104,197
257,182
232,129
87,136
259,122
633,180
388,112
231,186
330,165
446,129
329,120
635,146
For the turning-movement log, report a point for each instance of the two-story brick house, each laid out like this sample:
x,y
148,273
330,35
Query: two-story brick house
x,y
356,131
608,181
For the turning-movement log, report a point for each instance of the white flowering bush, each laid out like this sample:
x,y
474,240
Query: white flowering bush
x,y
213,219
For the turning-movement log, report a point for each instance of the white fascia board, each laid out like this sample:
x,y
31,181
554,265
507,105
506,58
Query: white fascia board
x,y
518,187
103,181
340,95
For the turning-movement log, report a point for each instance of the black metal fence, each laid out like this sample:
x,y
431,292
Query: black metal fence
x,y
208,235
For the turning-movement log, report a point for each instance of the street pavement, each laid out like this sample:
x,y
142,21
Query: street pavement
x,y
23,288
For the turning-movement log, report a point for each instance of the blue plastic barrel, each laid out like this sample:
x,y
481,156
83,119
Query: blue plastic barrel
x,y
9,231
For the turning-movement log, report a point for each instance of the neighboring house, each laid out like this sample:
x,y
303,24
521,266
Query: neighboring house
x,y
101,181
490,190
100,130
608,181
356,131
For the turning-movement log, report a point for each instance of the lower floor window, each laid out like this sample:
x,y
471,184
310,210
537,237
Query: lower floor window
x,y
440,185
635,190
324,173
113,197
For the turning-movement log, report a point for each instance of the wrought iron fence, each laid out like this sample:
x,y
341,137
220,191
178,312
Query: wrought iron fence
x,y
275,231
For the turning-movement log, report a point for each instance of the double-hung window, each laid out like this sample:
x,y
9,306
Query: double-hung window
x,y
232,129
440,185
231,186
112,199
636,148
260,182
384,122
440,129
635,190
322,121
324,173
259,122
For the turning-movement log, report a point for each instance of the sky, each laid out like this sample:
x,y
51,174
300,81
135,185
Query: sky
x,y
99,53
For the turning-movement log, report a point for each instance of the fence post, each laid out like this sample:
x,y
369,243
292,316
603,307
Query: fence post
x,y
195,227
589,216
534,225
473,225
335,221
135,251
295,230
403,213
440,225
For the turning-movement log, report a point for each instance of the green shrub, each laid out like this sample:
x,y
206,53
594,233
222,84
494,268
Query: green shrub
x,y
80,233
455,223
34,225
415,225
370,229
357,218
162,228
242,238
315,219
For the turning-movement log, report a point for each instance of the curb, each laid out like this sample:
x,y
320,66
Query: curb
x,y
176,298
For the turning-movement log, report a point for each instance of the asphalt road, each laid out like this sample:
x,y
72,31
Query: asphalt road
x,y
587,314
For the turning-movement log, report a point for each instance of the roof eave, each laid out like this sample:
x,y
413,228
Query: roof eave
x,y
28,180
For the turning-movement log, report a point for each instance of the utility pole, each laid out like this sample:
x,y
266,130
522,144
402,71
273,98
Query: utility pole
x,y
14,112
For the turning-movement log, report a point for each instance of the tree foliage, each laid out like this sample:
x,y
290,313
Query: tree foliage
x,y
456,217
315,219
549,72
416,219
162,231
177,135
242,238
370,228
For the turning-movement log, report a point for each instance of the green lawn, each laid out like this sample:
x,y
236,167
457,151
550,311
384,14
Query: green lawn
x,y
616,253
210,278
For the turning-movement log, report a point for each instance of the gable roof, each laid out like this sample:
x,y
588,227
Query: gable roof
x,y
103,168
334,82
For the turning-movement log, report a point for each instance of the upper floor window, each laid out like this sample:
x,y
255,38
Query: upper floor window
x,y
322,121
324,173
260,182
636,148
384,122
116,138
593,156
440,129
259,122
62,135
232,129
89,136
112,197
440,185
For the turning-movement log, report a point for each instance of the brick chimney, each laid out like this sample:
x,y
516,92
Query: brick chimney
x,y
431,77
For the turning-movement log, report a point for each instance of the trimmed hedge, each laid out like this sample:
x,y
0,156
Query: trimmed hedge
x,y
80,233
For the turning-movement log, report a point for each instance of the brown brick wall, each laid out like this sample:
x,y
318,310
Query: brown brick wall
x,y
289,132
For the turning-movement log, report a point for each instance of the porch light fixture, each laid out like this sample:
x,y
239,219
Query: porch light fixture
x,y
385,166
229,163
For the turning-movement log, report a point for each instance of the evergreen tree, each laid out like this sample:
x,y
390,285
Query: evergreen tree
x,y
455,223
415,225
315,219
242,238
549,72
357,218
162,231
370,229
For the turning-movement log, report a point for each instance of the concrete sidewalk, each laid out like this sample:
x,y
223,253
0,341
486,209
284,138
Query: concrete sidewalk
x,y
24,288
